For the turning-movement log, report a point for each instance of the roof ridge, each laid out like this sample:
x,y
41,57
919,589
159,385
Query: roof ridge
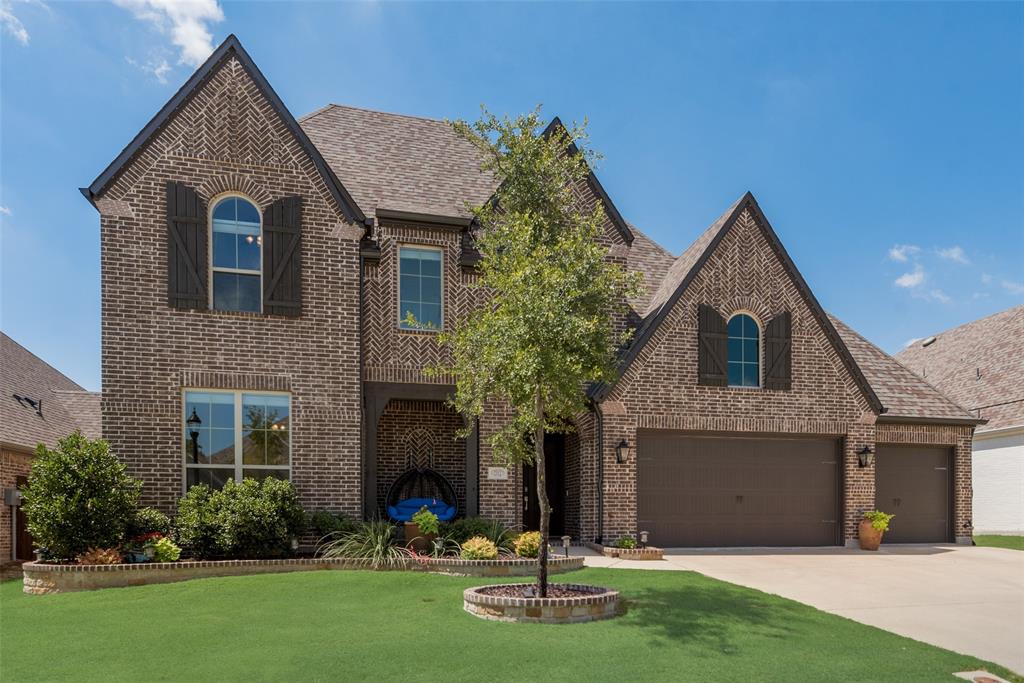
x,y
967,324
897,361
335,105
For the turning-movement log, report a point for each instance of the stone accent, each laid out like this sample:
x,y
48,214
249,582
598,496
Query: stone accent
x,y
13,464
600,603
648,553
40,579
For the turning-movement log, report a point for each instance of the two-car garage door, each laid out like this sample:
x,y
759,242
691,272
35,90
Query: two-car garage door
x,y
716,491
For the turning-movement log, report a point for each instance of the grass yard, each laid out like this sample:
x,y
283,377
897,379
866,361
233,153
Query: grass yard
x,y
348,625
1011,542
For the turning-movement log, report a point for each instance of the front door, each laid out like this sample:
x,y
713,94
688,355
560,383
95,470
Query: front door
x,y
554,472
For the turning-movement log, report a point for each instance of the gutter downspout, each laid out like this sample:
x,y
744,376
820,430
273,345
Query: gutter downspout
x,y
596,407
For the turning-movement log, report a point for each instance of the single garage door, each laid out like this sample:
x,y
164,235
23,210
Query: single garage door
x,y
715,491
913,483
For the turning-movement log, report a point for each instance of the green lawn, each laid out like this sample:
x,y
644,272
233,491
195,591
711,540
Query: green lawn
x,y
349,625
1011,542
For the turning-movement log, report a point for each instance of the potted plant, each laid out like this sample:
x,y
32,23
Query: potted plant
x,y
872,526
421,530
141,548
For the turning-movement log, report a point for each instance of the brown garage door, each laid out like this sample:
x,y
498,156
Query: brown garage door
x,y
913,483
704,491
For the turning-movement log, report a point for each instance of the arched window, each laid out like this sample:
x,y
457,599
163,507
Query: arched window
x,y
237,258
744,351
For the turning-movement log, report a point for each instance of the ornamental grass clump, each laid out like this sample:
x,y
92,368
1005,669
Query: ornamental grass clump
x,y
373,541
79,498
479,548
527,544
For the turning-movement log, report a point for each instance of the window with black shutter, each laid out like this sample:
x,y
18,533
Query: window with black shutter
x,y
712,341
186,248
282,257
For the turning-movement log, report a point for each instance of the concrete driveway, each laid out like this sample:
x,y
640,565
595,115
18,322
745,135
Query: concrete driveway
x,y
961,598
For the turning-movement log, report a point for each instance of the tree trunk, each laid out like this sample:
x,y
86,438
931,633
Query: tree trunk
x,y
542,498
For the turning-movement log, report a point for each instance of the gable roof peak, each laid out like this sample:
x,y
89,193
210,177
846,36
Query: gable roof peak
x,y
231,46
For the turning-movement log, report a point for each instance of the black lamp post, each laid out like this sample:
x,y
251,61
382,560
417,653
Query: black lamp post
x,y
193,423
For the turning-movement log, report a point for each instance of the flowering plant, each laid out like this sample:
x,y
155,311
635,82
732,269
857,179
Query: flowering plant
x,y
139,543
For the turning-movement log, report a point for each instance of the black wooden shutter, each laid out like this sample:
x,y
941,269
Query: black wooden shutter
x,y
282,257
186,248
778,352
712,347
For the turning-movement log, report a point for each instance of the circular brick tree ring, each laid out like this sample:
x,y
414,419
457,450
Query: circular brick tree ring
x,y
589,603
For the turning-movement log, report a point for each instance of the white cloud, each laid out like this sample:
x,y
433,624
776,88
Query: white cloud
x,y
954,254
5,211
158,68
12,24
187,22
912,279
901,252
1013,287
939,295
986,279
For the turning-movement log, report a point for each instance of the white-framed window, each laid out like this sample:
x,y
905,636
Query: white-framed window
x,y
235,435
420,287
236,258
744,351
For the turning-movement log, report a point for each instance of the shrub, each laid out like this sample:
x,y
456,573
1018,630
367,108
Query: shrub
x,y
248,520
426,520
78,497
148,521
879,520
100,556
324,523
165,550
461,530
374,541
626,542
527,544
479,548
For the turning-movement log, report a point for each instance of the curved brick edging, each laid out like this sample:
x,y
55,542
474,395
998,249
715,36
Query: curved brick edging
x,y
600,603
40,579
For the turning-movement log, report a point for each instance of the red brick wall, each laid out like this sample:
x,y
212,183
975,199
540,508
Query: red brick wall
x,y
13,464
425,431
228,138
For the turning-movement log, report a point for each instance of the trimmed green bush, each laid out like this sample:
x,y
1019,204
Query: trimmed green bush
x,y
461,530
146,521
78,497
250,520
324,523
527,544
165,550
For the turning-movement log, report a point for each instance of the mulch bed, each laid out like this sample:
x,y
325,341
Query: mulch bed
x,y
520,591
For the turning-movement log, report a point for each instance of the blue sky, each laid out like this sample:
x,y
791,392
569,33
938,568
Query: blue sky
x,y
882,141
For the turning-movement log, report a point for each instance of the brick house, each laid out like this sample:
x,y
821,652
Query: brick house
x,y
38,405
256,270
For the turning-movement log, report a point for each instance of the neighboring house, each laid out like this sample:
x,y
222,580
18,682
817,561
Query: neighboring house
x,y
38,405
980,365
256,271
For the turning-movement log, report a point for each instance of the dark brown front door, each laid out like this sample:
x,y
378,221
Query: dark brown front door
x,y
23,540
715,491
913,483
554,473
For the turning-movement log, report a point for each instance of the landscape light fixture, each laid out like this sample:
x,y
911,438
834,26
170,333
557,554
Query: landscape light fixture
x,y
566,540
643,539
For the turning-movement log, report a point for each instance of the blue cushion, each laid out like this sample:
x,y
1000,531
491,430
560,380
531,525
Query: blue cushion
x,y
405,509
447,515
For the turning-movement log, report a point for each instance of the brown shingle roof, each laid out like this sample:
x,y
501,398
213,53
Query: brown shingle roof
x,y
979,365
902,392
652,260
65,406
397,162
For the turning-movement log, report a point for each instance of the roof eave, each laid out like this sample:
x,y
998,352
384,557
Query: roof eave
x,y
230,46
923,420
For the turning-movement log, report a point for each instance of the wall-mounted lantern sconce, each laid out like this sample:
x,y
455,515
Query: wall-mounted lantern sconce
x,y
865,456
622,452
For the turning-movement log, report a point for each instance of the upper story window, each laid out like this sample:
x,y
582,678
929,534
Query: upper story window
x,y
420,287
744,351
235,435
237,259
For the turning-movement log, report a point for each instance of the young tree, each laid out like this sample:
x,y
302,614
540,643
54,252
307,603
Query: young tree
x,y
548,329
